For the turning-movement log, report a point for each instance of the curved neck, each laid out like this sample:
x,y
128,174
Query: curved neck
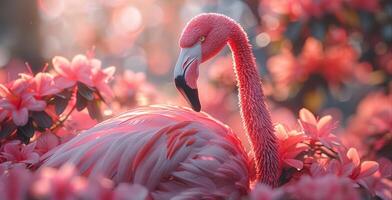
x,y
255,115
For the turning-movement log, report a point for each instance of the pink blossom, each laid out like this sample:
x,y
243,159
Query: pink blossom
x,y
14,184
290,146
373,115
304,9
101,78
380,183
371,6
77,121
17,101
349,165
339,63
285,69
132,89
58,184
78,70
323,188
318,129
85,70
265,192
46,142
3,114
311,57
16,152
65,183
44,84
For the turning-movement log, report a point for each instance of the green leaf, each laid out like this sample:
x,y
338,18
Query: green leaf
x,y
81,102
7,128
42,119
61,101
26,130
94,110
85,91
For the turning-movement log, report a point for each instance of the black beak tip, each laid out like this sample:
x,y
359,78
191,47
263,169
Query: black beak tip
x,y
190,94
197,107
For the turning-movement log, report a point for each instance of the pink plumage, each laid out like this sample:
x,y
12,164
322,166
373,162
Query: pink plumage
x,y
177,153
174,152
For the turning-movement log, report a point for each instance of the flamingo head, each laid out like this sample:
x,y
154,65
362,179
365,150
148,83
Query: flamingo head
x,y
202,38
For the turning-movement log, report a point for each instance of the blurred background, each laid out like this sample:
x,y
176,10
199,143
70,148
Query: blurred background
x,y
325,55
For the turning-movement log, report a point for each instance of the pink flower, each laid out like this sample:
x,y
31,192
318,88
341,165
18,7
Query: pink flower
x,y
44,85
304,9
290,146
323,188
79,70
85,70
101,78
369,130
339,64
318,130
311,57
371,6
16,152
15,184
132,89
265,192
46,142
58,184
380,183
17,101
65,183
285,69
349,165
373,115
3,114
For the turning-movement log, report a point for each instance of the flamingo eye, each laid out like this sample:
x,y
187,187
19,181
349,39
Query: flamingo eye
x,y
202,38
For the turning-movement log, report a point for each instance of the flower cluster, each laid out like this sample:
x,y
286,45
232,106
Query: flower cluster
x,y
370,129
63,183
313,156
132,89
324,47
40,103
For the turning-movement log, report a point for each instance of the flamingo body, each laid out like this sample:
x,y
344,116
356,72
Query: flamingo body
x,y
177,153
174,152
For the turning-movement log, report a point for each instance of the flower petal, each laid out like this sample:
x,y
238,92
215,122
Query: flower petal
x,y
352,154
297,164
63,83
82,69
368,168
306,116
20,116
109,71
36,105
45,84
4,91
3,114
62,67
6,104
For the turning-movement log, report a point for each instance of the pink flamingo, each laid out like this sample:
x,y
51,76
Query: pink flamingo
x,y
176,152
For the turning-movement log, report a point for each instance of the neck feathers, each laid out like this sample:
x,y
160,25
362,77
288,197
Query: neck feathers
x,y
255,115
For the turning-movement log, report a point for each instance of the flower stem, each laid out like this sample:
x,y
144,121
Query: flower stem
x,y
61,121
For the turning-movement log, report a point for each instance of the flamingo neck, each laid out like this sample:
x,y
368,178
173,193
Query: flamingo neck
x,y
255,115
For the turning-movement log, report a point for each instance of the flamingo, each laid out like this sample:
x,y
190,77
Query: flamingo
x,y
175,152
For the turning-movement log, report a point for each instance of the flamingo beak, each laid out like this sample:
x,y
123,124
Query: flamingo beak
x,y
191,95
185,75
